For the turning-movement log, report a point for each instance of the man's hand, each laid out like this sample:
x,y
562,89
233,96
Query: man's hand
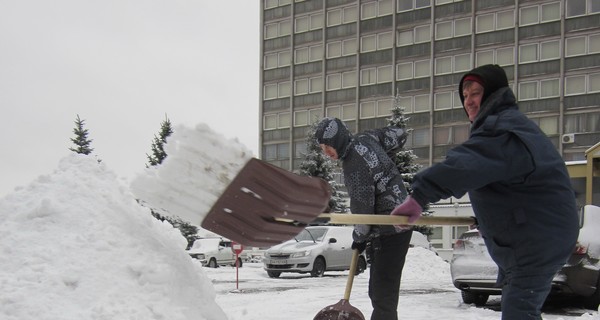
x,y
360,246
410,207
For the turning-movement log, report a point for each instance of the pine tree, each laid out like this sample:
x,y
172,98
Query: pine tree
x,y
316,164
158,151
405,159
81,141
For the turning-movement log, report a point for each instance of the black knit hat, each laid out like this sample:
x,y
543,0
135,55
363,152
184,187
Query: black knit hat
x,y
493,77
333,132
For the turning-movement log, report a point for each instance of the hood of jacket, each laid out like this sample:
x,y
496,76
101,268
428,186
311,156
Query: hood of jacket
x,y
333,132
493,77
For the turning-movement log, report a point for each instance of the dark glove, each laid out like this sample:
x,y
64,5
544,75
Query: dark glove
x,y
360,246
410,207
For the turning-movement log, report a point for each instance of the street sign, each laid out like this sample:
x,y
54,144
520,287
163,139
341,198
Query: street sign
x,y
237,248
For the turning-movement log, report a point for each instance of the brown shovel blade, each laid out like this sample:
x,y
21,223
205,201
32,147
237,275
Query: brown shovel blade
x,y
261,195
342,310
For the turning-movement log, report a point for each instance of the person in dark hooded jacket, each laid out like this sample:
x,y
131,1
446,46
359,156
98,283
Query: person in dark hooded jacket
x,y
519,189
375,186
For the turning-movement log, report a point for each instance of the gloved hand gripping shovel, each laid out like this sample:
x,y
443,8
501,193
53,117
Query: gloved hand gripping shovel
x,y
343,310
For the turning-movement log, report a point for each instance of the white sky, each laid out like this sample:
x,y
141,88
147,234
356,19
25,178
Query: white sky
x,y
122,66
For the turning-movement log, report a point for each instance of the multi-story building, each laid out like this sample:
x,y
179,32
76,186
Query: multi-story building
x,y
349,58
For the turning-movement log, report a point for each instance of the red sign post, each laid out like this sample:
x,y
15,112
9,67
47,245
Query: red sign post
x,y
237,249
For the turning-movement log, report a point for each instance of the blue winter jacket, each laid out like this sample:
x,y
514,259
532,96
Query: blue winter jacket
x,y
518,186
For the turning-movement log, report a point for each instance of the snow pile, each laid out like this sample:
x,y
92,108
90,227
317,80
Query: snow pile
x,y
75,244
200,165
421,261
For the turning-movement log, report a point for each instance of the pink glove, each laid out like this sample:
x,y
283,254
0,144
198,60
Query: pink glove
x,y
410,207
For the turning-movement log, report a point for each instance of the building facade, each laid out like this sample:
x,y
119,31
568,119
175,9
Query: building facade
x,y
349,58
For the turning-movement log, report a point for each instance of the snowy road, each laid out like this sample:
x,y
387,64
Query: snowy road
x,y
426,293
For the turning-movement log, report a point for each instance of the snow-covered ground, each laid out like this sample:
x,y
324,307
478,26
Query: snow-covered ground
x,y
75,244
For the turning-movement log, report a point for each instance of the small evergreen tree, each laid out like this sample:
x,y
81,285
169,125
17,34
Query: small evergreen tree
x,y
158,151
405,159
81,141
316,164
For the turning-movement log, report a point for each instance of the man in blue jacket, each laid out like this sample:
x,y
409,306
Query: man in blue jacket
x,y
375,186
518,186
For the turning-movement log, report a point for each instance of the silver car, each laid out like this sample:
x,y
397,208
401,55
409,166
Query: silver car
x,y
314,250
474,272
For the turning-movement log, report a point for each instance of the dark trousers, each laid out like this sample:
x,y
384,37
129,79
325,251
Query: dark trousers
x,y
523,295
387,255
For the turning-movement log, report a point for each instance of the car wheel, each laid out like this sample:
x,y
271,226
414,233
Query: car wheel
x,y
239,263
212,263
273,274
362,265
318,267
593,301
479,299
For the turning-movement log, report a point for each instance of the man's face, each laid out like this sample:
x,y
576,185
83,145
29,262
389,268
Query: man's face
x,y
472,93
329,151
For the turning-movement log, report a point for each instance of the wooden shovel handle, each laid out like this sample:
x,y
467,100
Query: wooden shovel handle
x,y
344,218
353,265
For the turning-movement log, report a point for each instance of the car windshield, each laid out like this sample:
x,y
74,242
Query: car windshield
x,y
312,234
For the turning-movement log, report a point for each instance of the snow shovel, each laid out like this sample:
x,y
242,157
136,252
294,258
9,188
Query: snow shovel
x,y
265,205
343,310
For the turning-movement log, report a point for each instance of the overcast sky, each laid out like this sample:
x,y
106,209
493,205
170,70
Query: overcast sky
x,y
121,65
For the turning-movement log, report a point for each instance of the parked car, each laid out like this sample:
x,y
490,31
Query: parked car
x,y
314,250
214,252
474,272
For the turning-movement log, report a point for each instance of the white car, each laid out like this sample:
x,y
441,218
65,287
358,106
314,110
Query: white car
x,y
214,252
315,250
474,272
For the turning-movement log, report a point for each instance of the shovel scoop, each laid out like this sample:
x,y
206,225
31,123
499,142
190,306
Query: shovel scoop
x,y
343,310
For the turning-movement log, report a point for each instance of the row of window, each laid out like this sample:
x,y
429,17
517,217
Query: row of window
x,y
529,15
528,90
443,135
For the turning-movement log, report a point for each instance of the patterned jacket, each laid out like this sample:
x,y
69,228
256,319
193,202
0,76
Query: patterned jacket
x,y
373,181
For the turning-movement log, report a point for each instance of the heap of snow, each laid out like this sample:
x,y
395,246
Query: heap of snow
x,y
75,244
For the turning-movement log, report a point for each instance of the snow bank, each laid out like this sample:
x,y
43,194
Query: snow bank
x,y
74,244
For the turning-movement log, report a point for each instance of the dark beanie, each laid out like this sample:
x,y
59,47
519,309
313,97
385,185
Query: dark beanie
x,y
491,77
333,132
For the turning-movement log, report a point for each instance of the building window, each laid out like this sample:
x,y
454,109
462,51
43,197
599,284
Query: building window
x,y
277,59
534,52
419,34
586,122
576,46
278,151
421,103
582,84
374,42
549,88
308,54
420,137
278,29
342,15
453,28
376,9
500,56
306,117
494,21
373,109
346,112
308,85
342,48
575,85
380,74
539,13
307,23
582,7
549,125
276,121
443,100
528,90
408,5
443,65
